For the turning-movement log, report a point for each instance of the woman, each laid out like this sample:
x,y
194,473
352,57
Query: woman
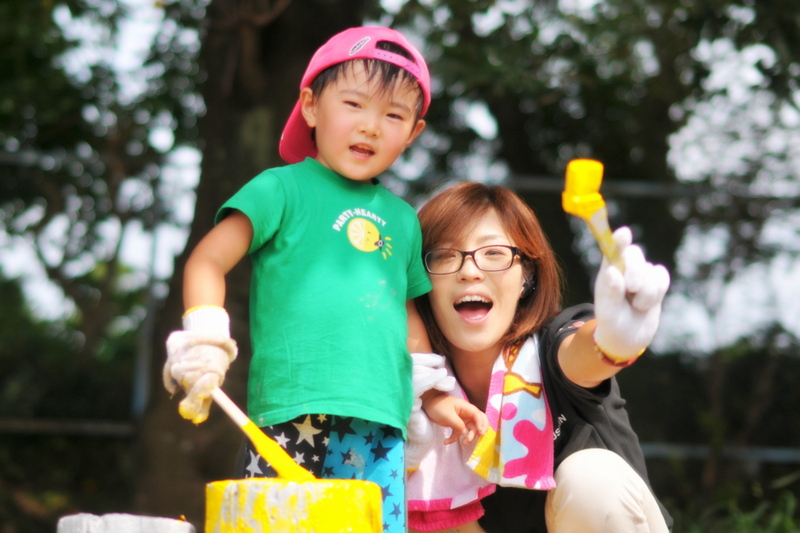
x,y
494,313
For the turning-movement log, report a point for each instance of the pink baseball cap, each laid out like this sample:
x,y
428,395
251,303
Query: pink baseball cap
x,y
355,43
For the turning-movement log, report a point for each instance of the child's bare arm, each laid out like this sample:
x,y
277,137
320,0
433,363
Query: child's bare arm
x,y
213,257
198,356
456,413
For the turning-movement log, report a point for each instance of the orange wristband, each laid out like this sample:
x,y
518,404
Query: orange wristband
x,y
612,361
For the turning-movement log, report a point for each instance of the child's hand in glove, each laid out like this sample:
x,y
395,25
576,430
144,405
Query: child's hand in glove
x,y
198,358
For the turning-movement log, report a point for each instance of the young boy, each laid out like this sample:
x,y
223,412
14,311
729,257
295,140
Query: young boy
x,y
336,263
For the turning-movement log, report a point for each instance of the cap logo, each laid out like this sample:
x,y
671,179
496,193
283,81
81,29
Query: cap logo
x,y
359,45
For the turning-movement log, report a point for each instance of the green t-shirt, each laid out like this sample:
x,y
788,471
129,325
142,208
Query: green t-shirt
x,y
334,262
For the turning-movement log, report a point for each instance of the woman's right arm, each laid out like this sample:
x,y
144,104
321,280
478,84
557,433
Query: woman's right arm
x,y
627,308
579,361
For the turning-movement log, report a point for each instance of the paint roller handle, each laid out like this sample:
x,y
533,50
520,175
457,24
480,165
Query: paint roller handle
x,y
276,456
230,408
581,197
602,234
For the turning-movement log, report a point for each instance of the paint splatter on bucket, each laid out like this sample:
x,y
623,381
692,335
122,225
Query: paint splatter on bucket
x,y
260,505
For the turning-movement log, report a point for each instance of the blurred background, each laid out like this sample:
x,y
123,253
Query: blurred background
x,y
124,124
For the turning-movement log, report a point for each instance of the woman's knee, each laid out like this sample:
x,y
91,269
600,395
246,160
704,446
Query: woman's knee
x,y
595,473
598,491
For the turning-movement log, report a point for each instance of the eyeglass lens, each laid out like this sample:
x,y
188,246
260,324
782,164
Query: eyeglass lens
x,y
487,258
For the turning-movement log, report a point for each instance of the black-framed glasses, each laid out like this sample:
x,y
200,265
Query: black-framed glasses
x,y
492,258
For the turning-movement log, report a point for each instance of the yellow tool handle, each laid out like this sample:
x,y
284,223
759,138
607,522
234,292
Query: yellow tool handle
x,y
276,456
581,197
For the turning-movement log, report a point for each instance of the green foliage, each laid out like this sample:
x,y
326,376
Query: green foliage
x,y
41,376
45,477
78,166
35,95
779,516
668,403
47,472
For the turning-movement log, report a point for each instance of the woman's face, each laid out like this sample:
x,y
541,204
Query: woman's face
x,y
473,308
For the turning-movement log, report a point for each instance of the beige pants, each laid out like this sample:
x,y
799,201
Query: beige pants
x,y
596,492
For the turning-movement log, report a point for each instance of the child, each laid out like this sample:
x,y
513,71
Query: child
x,y
336,263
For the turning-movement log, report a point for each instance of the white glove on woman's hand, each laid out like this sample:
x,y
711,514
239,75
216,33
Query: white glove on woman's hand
x,y
428,373
628,306
198,358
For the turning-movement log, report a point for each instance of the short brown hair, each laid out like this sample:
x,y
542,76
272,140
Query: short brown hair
x,y
446,217
389,75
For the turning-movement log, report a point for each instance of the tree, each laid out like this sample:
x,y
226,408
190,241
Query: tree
x,y
81,164
562,84
85,148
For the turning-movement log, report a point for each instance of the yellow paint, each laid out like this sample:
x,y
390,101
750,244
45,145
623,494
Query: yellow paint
x,y
295,502
190,413
581,197
260,505
275,455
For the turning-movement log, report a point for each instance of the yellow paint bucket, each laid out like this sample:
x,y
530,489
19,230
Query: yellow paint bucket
x,y
295,502
260,505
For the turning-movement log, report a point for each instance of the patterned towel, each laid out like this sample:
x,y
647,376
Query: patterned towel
x,y
518,449
445,491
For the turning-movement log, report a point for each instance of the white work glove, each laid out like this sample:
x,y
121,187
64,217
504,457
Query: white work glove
x,y
198,358
429,373
628,306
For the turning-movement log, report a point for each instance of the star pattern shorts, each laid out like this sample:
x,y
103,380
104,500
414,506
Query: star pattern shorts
x,y
340,447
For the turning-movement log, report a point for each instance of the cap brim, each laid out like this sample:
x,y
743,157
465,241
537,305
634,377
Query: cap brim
x,y
296,143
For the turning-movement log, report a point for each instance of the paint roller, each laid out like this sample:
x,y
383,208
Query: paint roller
x,y
296,501
581,197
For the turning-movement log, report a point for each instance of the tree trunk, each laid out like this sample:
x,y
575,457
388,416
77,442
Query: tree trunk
x,y
253,62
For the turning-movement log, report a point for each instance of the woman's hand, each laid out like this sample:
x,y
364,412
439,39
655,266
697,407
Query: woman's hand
x,y
628,305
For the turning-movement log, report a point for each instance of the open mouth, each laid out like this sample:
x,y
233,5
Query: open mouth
x,y
362,151
473,306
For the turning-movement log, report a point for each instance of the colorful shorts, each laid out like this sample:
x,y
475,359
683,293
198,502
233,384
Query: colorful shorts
x,y
340,447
